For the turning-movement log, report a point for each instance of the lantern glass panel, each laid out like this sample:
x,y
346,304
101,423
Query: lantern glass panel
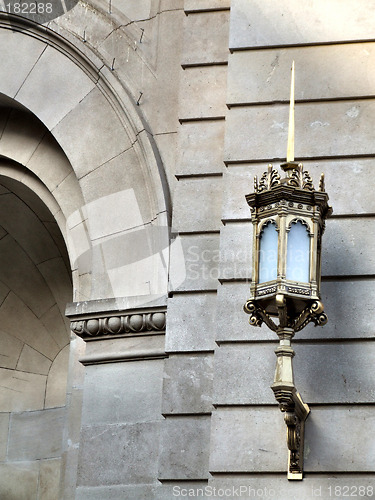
x,y
268,253
298,253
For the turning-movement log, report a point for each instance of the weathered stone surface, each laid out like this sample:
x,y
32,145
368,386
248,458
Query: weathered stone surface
x,y
57,380
11,349
20,53
117,492
248,440
187,384
118,454
13,271
49,479
32,361
326,450
277,487
198,205
32,131
197,5
16,318
203,92
21,391
344,251
206,38
318,74
236,251
262,23
4,426
135,392
91,121
27,229
235,449
195,262
339,174
243,374
129,194
57,276
190,325
345,318
19,481
52,172
323,373
60,81
322,129
126,345
28,430
200,148
185,448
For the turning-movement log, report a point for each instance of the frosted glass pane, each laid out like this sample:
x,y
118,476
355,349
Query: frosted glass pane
x,y
268,254
298,254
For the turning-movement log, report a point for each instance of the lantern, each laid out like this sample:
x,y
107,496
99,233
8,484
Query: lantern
x,y
288,217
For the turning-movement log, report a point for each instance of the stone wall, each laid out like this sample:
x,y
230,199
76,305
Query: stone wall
x,y
140,125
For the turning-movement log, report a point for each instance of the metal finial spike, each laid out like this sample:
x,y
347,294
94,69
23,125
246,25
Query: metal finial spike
x,y
290,149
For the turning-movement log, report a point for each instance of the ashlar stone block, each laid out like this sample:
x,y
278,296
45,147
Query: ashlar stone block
x,y
322,129
54,78
190,325
322,72
253,23
200,147
13,271
236,251
135,394
325,448
185,448
187,386
19,480
21,124
203,92
323,373
19,55
345,317
250,439
195,262
277,487
29,430
340,175
49,479
206,38
16,318
4,428
198,204
118,454
94,122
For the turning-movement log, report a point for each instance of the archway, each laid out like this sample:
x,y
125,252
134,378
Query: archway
x,y
35,285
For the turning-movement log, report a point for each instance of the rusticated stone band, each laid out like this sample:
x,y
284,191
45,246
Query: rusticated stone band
x,y
138,322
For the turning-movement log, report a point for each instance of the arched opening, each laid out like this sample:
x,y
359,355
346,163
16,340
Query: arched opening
x,y
35,285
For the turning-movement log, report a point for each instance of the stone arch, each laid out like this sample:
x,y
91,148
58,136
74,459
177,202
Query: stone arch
x,y
35,284
96,123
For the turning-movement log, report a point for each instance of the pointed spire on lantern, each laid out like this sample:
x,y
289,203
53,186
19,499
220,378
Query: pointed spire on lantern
x,y
290,149
290,166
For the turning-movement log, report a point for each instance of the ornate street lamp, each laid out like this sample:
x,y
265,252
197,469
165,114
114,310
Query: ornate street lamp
x,y
288,217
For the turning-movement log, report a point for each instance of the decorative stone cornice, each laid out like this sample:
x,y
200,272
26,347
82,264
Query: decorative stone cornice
x,y
135,321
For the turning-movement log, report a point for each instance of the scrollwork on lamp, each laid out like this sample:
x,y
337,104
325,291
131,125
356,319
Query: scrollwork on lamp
x,y
288,217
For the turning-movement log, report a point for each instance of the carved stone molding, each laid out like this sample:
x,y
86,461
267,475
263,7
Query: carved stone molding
x,y
120,323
